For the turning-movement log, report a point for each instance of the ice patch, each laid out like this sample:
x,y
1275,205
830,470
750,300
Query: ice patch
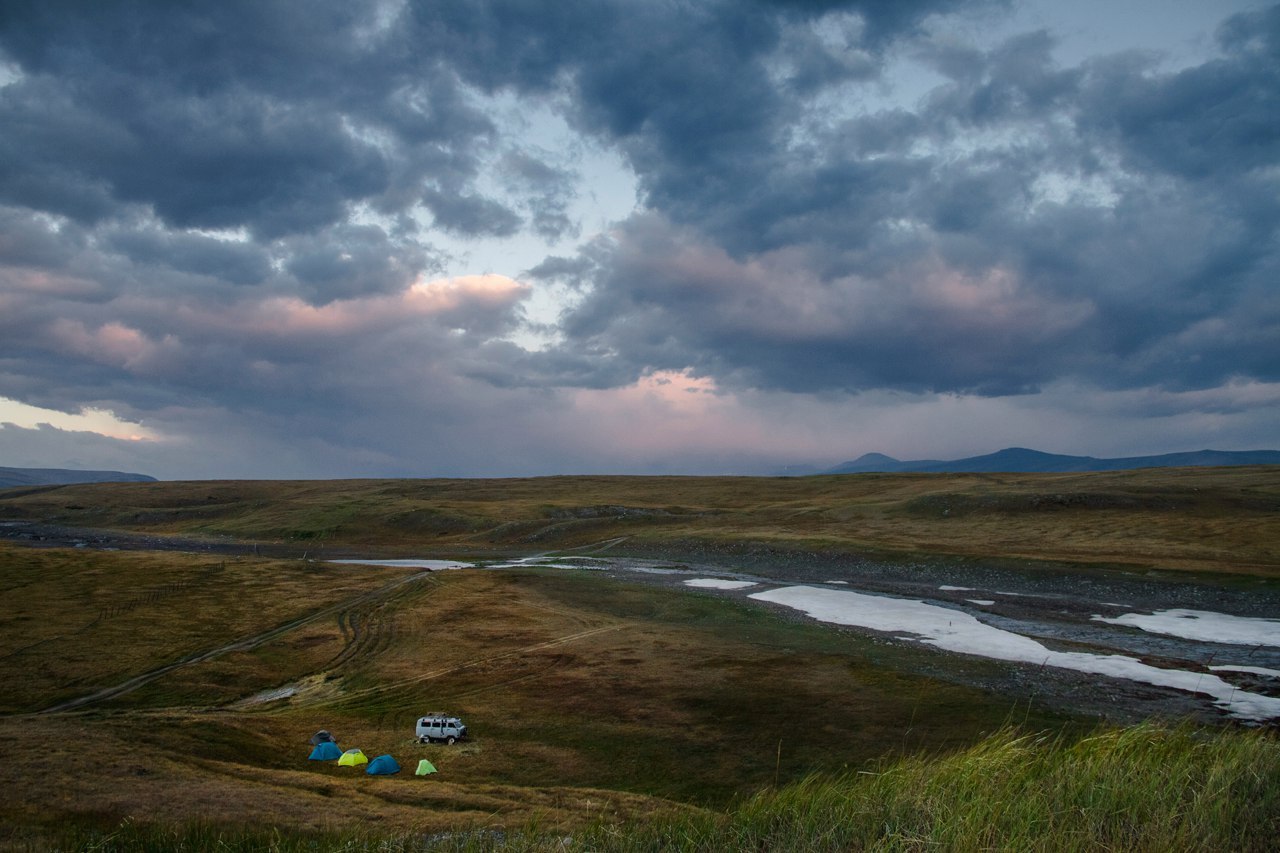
x,y
434,565
955,631
945,588
984,602
1203,625
837,583
716,583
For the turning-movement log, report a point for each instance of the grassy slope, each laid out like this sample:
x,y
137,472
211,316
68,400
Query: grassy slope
x,y
1143,789
1223,519
587,696
592,700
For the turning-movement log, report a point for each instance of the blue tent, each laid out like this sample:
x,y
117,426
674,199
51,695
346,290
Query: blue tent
x,y
326,751
383,765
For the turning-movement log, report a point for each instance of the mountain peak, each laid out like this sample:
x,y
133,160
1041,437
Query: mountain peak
x,y
872,459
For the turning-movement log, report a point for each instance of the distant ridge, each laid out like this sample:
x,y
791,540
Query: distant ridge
x,y
64,476
1021,460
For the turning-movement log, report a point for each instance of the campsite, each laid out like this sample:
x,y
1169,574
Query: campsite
x,y
174,652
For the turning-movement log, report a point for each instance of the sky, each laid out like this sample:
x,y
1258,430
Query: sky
x,y
477,238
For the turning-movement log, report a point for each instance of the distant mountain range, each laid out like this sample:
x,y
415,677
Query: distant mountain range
x,y
1020,460
10,477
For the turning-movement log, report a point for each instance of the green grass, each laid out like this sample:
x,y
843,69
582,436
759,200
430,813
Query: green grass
x,y
1147,788
1142,788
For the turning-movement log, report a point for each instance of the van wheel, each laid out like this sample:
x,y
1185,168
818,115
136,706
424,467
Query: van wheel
x,y
451,740
424,740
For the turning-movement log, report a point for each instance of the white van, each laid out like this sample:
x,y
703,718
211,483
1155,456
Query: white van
x,y
440,727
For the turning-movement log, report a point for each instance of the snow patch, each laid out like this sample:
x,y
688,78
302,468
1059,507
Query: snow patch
x,y
946,588
1252,670
983,601
717,583
434,565
271,695
956,631
1203,625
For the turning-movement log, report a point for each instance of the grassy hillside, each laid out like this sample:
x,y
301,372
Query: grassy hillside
x,y
589,698
1205,519
1144,789
156,699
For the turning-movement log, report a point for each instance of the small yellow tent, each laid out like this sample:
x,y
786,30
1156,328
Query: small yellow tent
x,y
424,767
352,758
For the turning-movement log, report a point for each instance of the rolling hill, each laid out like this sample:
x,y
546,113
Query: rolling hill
x,y
1022,460
10,477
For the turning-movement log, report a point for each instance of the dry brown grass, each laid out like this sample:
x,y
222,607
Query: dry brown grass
x,y
76,621
1207,519
587,697
62,769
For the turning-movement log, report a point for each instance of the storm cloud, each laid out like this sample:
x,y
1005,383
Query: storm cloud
x,y
342,238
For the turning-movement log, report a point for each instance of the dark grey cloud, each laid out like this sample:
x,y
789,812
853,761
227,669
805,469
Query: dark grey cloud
x,y
471,215
1214,121
228,217
691,93
1108,223
349,261
234,262
547,190
264,116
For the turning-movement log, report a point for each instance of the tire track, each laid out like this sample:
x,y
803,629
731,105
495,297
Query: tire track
x,y
369,692
242,644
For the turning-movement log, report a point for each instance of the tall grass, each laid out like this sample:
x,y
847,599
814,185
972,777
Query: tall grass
x,y
1147,788
1143,788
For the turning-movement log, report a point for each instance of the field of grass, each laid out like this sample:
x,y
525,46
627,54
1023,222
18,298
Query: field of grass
x,y
1203,519
1147,788
590,699
163,700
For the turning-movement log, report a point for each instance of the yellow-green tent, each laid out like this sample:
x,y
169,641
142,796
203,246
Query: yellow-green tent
x,y
352,758
424,767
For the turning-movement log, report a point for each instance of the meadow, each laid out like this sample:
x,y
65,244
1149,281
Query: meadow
x,y
161,698
1209,519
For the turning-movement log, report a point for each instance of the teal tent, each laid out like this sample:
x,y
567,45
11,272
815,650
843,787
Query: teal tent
x,y
326,751
383,765
424,767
